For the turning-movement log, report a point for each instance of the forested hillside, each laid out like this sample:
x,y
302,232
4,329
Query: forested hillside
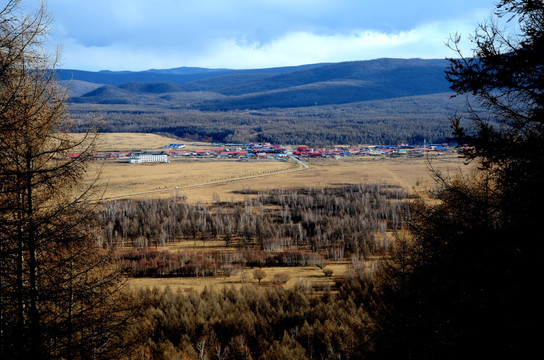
x,y
378,101
407,119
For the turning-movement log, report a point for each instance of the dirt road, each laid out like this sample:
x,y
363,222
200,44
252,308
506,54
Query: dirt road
x,y
302,166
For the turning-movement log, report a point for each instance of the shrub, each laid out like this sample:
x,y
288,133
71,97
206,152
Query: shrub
x,y
244,278
259,274
327,272
281,278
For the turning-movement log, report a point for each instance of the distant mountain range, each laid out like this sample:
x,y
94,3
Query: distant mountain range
x,y
283,87
382,101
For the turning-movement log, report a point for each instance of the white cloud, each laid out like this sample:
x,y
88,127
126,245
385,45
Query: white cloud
x,y
138,34
296,48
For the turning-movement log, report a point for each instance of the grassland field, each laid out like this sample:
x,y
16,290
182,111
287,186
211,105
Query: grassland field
x,y
207,180
203,180
304,275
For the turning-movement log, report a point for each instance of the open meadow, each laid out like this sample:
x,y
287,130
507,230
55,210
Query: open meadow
x,y
304,275
122,179
208,179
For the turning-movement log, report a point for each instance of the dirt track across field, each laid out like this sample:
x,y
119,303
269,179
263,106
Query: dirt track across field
x,y
302,166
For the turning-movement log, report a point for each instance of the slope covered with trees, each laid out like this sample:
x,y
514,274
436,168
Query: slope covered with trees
x,y
382,100
407,119
252,323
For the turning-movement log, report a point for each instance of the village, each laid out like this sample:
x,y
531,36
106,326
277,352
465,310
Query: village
x,y
266,150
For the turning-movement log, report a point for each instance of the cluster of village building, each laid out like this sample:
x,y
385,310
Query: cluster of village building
x,y
254,150
267,150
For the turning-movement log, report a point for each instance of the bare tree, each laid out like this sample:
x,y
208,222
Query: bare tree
x,y
259,274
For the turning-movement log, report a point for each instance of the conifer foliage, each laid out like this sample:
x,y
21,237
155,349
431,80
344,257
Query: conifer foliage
x,y
59,297
256,323
466,281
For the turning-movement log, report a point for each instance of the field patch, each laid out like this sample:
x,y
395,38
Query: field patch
x,y
309,276
120,178
412,174
125,142
206,180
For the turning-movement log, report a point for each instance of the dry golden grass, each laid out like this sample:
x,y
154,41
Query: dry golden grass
x,y
123,179
412,174
205,179
125,142
307,275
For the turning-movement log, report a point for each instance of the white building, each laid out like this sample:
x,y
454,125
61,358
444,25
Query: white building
x,y
145,157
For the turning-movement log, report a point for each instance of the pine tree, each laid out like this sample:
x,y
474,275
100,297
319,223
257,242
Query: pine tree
x,y
60,296
465,282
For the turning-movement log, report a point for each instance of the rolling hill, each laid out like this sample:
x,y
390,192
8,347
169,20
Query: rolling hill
x,y
403,100
321,84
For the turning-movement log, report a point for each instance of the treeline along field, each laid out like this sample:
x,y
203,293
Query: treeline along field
x,y
305,225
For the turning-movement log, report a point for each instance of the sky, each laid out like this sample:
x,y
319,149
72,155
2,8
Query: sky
x,y
139,35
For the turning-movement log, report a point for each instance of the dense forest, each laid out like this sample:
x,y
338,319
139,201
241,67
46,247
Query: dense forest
x,y
411,120
255,323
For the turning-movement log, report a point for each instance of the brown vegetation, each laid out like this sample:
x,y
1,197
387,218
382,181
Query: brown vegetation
x,y
60,295
256,323
333,221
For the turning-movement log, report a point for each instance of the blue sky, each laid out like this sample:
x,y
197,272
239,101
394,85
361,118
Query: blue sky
x,y
240,34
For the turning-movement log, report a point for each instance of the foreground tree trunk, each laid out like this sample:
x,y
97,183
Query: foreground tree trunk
x,y
60,296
